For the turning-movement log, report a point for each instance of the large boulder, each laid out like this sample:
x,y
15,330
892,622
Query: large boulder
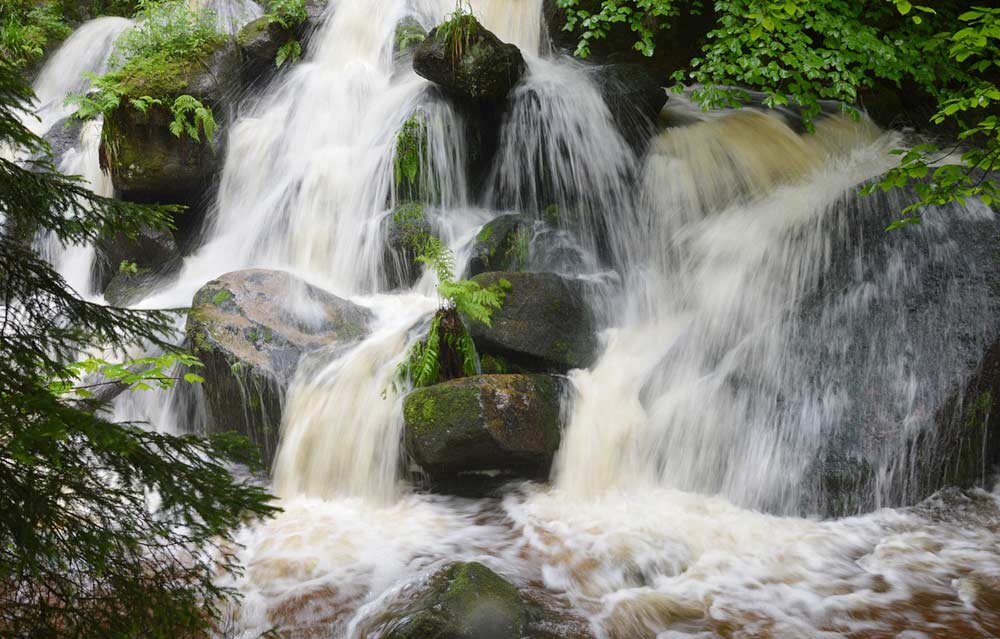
x,y
496,424
469,62
544,324
634,98
146,161
250,328
464,601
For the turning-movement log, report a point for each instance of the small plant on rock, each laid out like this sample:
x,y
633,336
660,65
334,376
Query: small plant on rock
x,y
448,351
290,14
457,31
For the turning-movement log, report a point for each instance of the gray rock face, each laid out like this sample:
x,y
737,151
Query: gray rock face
x,y
634,98
505,423
249,329
259,43
473,64
544,323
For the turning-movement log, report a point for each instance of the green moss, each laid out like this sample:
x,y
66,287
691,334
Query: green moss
x,y
221,296
485,234
409,34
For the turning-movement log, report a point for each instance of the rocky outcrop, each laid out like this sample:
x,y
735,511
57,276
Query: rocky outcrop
x,y
497,424
502,245
249,329
634,98
146,161
468,62
464,601
544,324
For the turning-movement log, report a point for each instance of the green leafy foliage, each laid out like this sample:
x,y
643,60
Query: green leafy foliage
x,y
466,298
156,58
410,143
27,27
291,51
190,116
84,552
290,14
643,18
458,30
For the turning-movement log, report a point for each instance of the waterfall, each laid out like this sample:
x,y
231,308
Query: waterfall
x,y
755,321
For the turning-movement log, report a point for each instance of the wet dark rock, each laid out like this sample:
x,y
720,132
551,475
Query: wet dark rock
x,y
259,43
149,253
472,65
250,328
499,424
502,245
63,137
544,324
464,601
634,98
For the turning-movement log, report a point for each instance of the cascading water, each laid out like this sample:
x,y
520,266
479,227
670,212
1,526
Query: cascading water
x,y
746,270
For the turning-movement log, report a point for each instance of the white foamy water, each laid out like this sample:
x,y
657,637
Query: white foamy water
x,y
683,497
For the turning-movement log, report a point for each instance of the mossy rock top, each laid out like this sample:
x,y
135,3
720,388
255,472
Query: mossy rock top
x,y
467,61
507,423
465,601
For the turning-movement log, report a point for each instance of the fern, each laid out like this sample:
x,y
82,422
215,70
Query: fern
x,y
409,148
421,365
190,117
291,51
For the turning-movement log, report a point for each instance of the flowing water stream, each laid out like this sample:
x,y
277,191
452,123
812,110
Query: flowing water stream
x,y
683,497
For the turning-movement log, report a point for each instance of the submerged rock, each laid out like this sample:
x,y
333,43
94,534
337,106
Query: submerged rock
x,y
544,324
464,601
469,62
506,424
250,328
409,35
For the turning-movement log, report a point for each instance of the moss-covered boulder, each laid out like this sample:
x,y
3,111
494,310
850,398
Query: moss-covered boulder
x,y
464,601
469,62
410,34
544,324
502,245
634,98
496,424
403,230
250,328
146,161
